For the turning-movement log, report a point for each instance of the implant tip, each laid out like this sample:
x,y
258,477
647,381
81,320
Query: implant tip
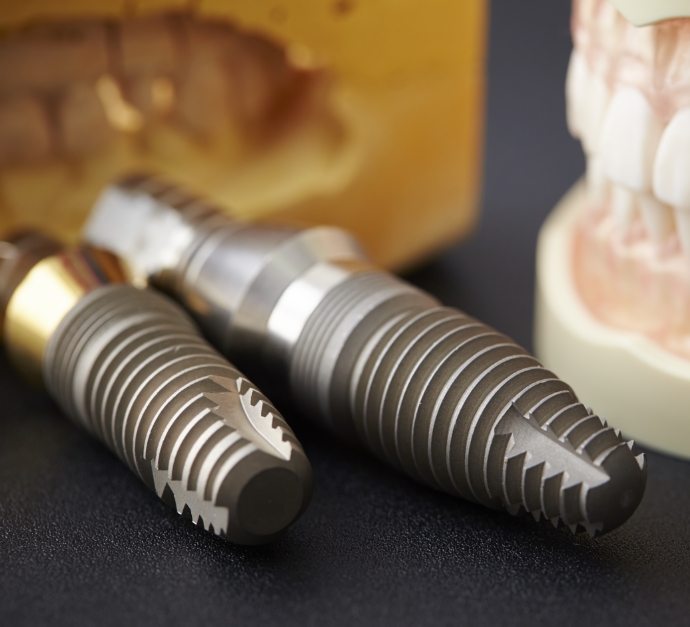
x,y
578,474
610,504
265,496
270,501
249,478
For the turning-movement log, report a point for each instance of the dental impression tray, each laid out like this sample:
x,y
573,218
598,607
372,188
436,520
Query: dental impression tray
x,y
613,261
363,115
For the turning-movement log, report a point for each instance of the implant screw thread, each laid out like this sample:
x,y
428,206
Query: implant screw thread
x,y
131,368
457,405
438,394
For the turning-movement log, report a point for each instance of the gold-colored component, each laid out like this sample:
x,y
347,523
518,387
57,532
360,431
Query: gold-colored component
x,y
60,280
365,115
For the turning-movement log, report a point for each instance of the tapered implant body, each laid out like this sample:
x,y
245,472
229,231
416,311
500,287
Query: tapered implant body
x,y
130,367
434,392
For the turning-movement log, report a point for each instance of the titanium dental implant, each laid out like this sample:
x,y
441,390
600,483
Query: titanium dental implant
x,y
130,367
434,392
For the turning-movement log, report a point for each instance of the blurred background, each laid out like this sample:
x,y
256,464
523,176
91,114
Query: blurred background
x,y
82,541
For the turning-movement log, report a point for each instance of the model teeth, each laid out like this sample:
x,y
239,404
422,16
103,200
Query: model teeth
x,y
623,206
634,164
629,138
575,92
68,89
671,180
631,244
597,97
611,26
598,187
657,217
624,90
683,225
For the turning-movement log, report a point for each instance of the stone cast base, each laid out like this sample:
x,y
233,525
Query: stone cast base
x,y
634,384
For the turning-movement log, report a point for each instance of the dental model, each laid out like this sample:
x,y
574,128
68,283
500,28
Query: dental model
x,y
356,114
613,303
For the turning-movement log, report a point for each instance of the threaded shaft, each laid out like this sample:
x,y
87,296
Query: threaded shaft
x,y
460,407
434,392
131,368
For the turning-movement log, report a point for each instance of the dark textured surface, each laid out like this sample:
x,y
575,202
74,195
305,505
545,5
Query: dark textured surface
x,y
83,541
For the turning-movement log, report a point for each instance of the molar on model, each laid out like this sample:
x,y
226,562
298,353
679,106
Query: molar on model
x,y
658,219
672,172
629,138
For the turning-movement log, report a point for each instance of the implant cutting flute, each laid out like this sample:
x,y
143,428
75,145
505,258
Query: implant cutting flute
x,y
439,395
130,367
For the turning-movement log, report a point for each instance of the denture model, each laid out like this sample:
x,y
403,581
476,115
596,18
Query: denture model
x,y
365,115
613,302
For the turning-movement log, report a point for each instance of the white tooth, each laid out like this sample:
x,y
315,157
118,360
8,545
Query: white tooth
x,y
657,216
642,42
596,99
576,91
623,205
597,185
629,138
683,224
585,10
610,26
672,163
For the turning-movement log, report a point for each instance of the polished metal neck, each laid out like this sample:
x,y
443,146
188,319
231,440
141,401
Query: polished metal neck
x,y
249,285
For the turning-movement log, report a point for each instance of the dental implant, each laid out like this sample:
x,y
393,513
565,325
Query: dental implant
x,y
130,367
437,394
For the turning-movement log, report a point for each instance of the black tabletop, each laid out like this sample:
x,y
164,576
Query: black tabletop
x,y
82,541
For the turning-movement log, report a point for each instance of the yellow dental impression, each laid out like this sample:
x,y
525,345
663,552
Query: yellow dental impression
x,y
367,115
